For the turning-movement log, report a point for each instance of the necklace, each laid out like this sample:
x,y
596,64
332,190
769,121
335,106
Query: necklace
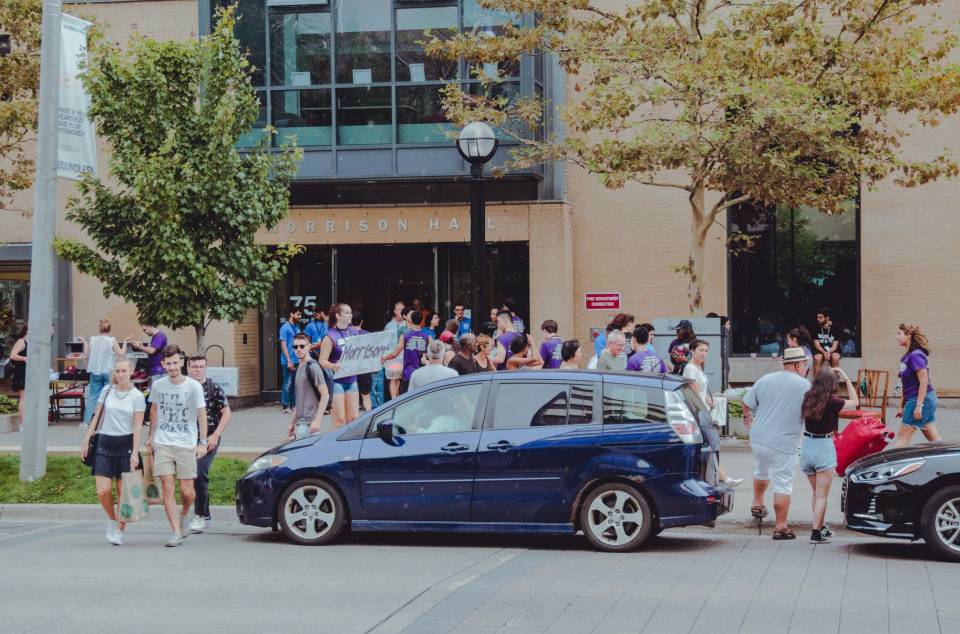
x,y
116,394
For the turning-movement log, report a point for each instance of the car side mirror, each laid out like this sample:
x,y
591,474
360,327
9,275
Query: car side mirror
x,y
385,431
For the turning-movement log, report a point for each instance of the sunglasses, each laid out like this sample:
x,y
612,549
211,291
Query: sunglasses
x,y
299,347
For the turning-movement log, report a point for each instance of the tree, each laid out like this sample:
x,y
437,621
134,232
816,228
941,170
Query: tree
x,y
176,238
19,86
782,102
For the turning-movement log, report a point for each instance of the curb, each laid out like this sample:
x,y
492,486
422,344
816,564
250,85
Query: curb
x,y
242,453
84,512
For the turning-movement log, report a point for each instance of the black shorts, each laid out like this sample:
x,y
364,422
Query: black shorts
x,y
364,383
404,385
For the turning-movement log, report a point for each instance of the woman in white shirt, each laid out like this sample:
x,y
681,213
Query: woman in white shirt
x,y
100,352
119,418
694,371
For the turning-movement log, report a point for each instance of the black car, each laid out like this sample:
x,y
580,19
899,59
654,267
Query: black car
x,y
910,493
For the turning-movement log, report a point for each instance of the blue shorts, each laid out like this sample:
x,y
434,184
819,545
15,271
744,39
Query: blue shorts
x,y
343,388
927,415
818,454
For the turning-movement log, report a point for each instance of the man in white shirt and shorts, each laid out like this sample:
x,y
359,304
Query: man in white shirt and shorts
x,y
179,414
772,410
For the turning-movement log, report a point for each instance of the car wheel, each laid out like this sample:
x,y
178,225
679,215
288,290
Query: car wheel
x,y
311,513
616,518
940,522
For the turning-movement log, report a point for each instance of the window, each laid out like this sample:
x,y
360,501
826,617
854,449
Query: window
x,y
521,405
420,115
255,137
299,49
364,116
476,19
447,410
412,63
304,114
801,260
632,404
363,41
251,32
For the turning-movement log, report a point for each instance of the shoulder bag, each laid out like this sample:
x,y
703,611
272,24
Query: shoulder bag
x,y
95,436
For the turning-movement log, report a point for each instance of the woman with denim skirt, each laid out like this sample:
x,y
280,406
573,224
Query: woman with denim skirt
x,y
818,457
918,402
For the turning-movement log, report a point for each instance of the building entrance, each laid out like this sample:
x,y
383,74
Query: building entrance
x,y
371,278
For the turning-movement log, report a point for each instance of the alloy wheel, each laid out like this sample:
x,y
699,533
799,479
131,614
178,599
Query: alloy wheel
x,y
947,524
615,517
309,512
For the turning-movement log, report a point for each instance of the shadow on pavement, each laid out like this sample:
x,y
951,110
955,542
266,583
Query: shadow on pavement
x,y
895,549
664,541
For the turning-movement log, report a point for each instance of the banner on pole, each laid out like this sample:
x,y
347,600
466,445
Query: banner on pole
x,y
77,141
361,353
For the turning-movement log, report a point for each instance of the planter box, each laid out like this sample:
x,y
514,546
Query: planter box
x,y
9,423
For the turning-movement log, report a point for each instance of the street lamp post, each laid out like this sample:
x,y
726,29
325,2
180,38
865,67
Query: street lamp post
x,y
477,144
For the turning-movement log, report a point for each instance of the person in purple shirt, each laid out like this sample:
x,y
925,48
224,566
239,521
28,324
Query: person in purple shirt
x,y
158,341
643,360
346,394
412,345
505,336
918,403
552,346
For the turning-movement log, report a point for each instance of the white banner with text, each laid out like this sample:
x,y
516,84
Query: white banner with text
x,y
361,353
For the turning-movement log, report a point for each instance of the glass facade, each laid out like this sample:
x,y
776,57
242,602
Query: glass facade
x,y
353,73
801,261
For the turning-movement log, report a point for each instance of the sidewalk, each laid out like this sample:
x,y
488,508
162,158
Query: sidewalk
x,y
257,429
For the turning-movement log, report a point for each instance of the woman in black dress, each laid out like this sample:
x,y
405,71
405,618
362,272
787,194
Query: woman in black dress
x,y
18,357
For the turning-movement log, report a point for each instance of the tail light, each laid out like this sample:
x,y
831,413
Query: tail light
x,y
681,419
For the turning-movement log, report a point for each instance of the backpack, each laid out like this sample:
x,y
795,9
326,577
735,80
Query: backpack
x,y
310,377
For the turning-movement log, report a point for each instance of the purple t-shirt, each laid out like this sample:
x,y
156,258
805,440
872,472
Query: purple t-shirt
x,y
645,361
158,342
910,363
505,340
338,337
550,353
414,345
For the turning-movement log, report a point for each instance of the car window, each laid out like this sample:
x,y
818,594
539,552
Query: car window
x,y
542,404
632,404
446,410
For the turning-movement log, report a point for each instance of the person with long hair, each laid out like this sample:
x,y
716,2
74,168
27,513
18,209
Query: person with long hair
x,y
694,371
818,458
346,392
18,357
679,348
118,420
918,401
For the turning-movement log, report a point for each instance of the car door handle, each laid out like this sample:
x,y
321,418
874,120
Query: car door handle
x,y
503,445
454,447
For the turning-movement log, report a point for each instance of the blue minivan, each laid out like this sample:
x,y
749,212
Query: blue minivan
x,y
617,456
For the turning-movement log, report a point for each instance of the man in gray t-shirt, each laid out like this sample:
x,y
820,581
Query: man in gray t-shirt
x,y
772,409
434,370
309,382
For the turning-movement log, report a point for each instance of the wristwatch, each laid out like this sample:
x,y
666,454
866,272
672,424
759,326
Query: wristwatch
x,y
203,442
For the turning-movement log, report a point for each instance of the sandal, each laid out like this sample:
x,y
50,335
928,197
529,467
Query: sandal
x,y
781,535
759,512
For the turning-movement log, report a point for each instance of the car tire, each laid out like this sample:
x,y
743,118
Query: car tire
x,y
616,518
940,523
311,513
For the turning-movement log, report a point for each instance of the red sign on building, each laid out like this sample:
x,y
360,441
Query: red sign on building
x,y
602,301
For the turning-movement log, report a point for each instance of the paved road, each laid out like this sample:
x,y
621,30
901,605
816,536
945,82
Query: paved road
x,y
63,577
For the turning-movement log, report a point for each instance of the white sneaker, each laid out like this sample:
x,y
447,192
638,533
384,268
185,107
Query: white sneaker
x,y
83,426
733,482
185,521
197,524
111,531
116,539
173,542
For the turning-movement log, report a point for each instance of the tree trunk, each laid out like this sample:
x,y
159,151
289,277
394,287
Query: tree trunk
x,y
201,333
695,264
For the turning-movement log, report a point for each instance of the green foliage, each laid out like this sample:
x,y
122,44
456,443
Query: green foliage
x,y
176,237
734,408
19,87
785,102
68,481
7,405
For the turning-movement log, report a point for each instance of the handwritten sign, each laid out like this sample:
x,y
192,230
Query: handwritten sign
x,y
361,353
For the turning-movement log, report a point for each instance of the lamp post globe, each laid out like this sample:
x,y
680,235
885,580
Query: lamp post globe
x,y
477,144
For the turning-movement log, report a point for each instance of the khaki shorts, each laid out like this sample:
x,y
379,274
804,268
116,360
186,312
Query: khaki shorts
x,y
170,460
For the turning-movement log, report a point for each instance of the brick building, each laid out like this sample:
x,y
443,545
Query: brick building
x,y
381,205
